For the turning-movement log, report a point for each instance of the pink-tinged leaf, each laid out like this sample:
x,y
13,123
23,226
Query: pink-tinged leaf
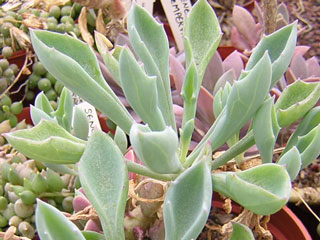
x,y
178,111
283,10
234,61
92,226
178,72
281,22
282,83
176,98
228,76
213,72
246,25
205,106
300,50
173,51
298,67
156,231
290,77
131,157
313,67
238,41
79,203
258,12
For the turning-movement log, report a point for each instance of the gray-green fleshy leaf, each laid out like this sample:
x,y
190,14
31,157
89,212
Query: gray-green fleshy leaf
x,y
187,203
74,64
266,129
220,99
109,60
120,138
296,100
308,146
292,161
245,97
61,168
107,188
64,111
43,103
263,189
229,76
47,142
90,235
241,231
280,46
150,43
37,115
62,228
202,35
80,123
310,120
185,138
156,149
140,90
189,93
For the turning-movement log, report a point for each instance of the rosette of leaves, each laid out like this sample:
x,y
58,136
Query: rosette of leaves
x,y
103,169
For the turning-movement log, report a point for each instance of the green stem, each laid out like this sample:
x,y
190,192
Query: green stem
x,y
142,170
235,150
55,194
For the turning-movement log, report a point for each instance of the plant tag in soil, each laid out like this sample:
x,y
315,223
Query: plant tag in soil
x,y
177,12
147,4
90,112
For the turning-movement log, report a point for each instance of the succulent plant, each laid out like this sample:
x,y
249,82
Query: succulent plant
x,y
163,149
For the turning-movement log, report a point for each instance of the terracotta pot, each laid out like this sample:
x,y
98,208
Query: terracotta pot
x,y
284,225
25,114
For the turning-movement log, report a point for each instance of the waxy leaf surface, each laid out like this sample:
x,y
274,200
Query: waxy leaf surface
x,y
292,161
241,231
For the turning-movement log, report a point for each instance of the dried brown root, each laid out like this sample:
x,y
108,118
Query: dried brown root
x,y
309,194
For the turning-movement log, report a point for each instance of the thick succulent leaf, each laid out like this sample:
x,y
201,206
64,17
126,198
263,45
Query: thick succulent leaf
x,y
310,120
235,62
185,138
299,67
43,103
280,46
221,99
213,72
245,98
80,123
203,32
313,66
37,115
64,111
104,177
157,149
308,146
263,189
62,228
120,138
229,76
150,43
187,203
47,142
292,161
140,90
74,64
90,235
266,129
61,168
241,231
109,60
296,100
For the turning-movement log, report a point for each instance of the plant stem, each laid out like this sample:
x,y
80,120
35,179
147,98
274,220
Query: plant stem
x,y
234,151
142,170
269,16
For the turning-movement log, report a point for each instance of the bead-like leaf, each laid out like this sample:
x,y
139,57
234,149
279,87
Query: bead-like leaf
x,y
80,123
150,43
292,162
104,177
308,146
74,64
280,46
120,138
187,203
157,149
296,100
47,142
241,231
203,34
140,90
265,130
263,189
62,228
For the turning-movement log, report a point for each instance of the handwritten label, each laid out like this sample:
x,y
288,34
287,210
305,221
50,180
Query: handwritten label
x,y
147,4
90,112
177,12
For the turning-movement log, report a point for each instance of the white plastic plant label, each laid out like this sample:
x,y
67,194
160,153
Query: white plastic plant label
x,y
90,111
147,4
177,12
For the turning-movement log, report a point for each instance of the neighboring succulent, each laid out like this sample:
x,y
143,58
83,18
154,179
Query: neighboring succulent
x,y
163,149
